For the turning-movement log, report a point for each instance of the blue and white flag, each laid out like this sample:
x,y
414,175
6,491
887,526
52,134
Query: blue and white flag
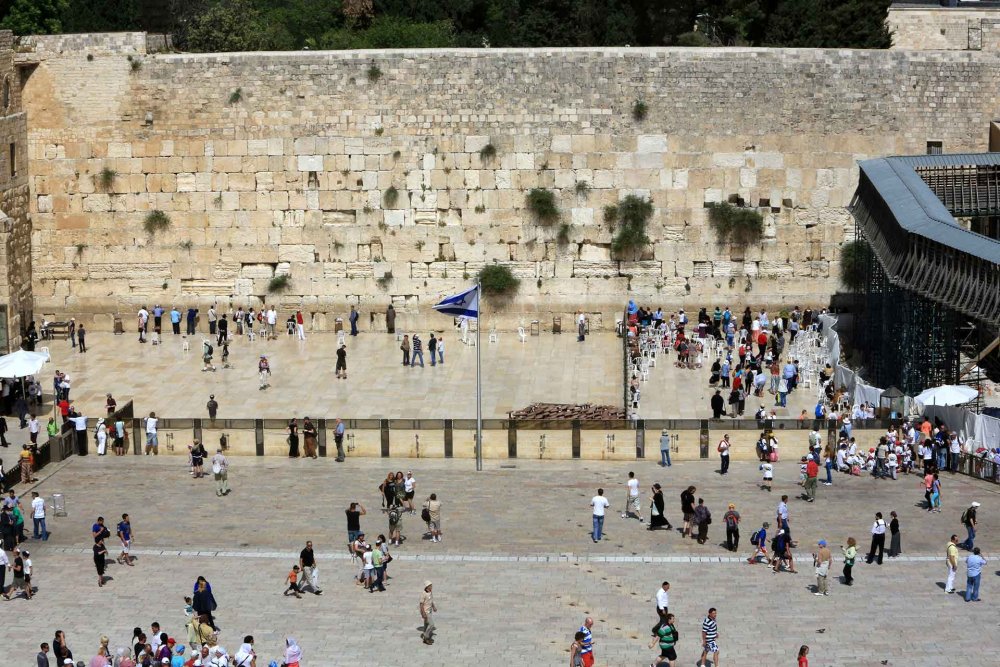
x,y
465,304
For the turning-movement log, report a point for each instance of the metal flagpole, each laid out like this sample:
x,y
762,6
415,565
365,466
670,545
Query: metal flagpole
x,y
479,380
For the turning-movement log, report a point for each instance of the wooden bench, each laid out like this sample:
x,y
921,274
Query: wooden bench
x,y
58,330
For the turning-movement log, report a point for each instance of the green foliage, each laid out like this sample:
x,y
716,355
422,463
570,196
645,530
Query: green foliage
x,y
100,16
487,152
497,280
693,38
230,25
155,221
279,283
247,25
106,179
374,73
735,224
563,236
236,96
391,32
855,259
543,204
582,188
384,281
391,196
633,212
34,17
639,111
135,64
611,214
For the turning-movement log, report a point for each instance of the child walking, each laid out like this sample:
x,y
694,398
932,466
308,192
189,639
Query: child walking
x,y
292,580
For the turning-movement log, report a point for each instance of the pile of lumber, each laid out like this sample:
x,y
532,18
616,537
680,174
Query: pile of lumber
x,y
569,411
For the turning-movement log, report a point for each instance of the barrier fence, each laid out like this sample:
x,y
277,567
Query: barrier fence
x,y
502,438
979,467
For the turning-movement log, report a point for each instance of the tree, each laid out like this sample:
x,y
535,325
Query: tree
x,y
34,17
392,32
229,25
104,16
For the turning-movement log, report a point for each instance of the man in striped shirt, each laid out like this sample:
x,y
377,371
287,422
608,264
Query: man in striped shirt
x,y
587,651
709,636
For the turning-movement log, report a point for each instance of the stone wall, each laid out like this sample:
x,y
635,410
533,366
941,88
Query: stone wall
x,y
279,163
945,28
15,222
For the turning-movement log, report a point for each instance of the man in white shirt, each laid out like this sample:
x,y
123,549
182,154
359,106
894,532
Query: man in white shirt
x,y
152,442
38,515
600,504
633,507
272,320
662,603
724,453
33,428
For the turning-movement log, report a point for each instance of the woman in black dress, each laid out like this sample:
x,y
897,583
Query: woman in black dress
x,y
657,519
895,547
388,489
203,602
100,554
293,438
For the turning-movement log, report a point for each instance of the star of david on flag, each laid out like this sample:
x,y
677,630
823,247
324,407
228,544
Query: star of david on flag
x,y
465,304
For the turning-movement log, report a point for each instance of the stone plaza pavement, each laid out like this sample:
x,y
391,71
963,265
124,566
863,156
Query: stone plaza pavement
x,y
516,572
547,368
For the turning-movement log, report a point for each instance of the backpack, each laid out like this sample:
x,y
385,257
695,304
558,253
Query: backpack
x,y
965,516
209,349
425,515
730,520
755,538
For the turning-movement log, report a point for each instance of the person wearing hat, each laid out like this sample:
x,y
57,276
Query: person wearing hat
x,y
823,560
665,449
220,470
427,609
177,660
969,520
213,407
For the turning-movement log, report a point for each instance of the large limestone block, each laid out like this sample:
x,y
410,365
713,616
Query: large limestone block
x,y
475,143
651,143
591,269
296,253
641,268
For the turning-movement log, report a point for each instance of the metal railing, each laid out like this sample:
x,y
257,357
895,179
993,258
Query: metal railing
x,y
979,467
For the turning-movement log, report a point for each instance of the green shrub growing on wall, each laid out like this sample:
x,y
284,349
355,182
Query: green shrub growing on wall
x,y
279,283
735,224
497,280
632,213
543,204
155,221
855,258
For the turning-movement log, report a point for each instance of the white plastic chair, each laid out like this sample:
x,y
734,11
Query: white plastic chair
x,y
521,335
494,336
45,351
341,337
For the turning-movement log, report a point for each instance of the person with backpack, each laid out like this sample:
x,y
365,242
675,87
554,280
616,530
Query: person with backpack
x,y
703,519
206,355
732,521
759,541
969,521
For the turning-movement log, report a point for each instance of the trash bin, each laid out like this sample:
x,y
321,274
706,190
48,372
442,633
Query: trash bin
x,y
557,325
58,504
338,324
119,327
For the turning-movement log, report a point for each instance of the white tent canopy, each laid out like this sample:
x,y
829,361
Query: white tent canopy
x,y
21,364
947,394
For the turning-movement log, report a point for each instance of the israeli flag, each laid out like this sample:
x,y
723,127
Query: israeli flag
x,y
465,304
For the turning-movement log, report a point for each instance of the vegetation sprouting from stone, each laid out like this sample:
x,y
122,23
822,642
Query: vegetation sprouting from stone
x,y
497,280
106,179
279,283
542,203
155,221
632,214
855,258
735,224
